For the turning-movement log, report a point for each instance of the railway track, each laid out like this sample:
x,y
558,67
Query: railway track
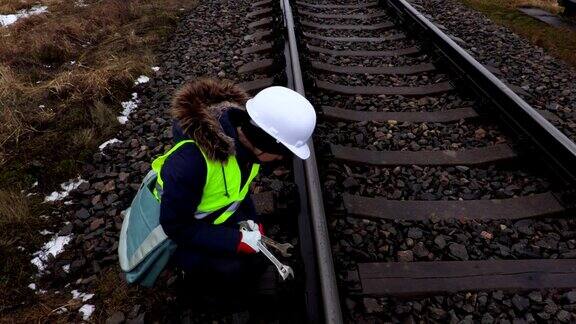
x,y
437,181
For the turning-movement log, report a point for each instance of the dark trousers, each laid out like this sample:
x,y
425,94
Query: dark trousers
x,y
220,281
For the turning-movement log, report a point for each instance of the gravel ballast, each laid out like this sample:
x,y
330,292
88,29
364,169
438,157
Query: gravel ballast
x,y
356,239
549,82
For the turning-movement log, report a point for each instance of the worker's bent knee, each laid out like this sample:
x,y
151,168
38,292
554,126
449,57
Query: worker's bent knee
x,y
228,268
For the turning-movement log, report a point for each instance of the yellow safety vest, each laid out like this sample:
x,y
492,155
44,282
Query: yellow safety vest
x,y
222,188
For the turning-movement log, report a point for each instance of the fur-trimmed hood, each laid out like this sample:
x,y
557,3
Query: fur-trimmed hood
x,y
197,107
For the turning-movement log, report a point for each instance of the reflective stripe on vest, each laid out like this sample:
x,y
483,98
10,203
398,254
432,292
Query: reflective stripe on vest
x,y
222,188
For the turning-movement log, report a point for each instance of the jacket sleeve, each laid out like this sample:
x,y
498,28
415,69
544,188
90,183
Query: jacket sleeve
x,y
184,175
248,210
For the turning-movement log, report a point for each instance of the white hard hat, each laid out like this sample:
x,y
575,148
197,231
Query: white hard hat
x,y
286,116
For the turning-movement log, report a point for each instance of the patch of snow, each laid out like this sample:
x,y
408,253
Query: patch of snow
x,y
128,106
41,291
155,68
66,268
86,311
142,79
72,62
38,263
35,184
6,20
53,247
61,310
80,295
42,106
108,142
21,248
66,188
68,202
32,286
80,3
45,232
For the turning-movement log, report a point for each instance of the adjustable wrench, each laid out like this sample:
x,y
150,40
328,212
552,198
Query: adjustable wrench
x,y
284,270
281,247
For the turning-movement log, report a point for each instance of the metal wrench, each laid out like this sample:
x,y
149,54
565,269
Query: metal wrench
x,y
281,247
284,270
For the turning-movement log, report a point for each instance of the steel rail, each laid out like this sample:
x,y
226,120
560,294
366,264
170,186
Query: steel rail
x,y
540,134
323,252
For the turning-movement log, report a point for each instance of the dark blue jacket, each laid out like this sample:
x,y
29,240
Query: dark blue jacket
x,y
184,175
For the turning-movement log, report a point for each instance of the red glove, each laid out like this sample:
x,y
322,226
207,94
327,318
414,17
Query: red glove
x,y
251,235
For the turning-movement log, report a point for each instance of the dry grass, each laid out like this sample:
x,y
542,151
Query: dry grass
x,y
548,5
18,227
14,209
54,113
559,42
118,295
45,98
11,6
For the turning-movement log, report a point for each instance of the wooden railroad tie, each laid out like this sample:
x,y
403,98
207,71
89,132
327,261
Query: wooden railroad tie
x,y
424,90
472,156
352,39
437,277
378,26
338,6
342,16
397,70
255,85
390,53
537,205
404,116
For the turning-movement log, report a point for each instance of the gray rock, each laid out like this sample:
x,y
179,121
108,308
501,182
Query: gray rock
x,y
440,241
458,251
420,250
487,319
482,300
498,295
135,311
550,306
520,303
524,226
116,318
139,319
414,233
357,239
469,319
437,313
405,256
535,296
563,316
544,315
350,182
66,229
371,305
570,297
82,214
